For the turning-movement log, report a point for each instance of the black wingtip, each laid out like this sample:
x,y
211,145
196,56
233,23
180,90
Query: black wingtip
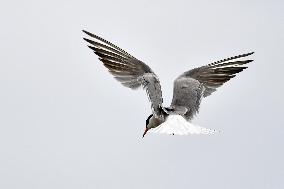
x,y
91,47
88,40
88,33
247,54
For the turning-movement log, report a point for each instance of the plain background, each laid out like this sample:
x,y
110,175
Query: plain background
x,y
66,123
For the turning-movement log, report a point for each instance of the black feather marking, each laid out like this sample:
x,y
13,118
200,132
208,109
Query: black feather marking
x,y
231,58
111,58
107,42
102,51
97,44
235,63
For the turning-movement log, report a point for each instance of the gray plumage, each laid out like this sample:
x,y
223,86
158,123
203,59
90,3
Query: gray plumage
x,y
128,70
189,88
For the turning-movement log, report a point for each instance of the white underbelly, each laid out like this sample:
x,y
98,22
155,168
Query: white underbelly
x,y
177,125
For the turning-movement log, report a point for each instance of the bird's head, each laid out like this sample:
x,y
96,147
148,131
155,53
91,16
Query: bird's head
x,y
152,122
148,124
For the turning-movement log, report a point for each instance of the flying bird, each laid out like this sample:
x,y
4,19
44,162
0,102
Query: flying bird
x,y
189,88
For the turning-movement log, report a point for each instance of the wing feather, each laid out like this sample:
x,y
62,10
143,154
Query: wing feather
x,y
128,70
191,86
217,73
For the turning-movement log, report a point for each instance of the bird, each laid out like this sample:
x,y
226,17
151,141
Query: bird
x,y
188,89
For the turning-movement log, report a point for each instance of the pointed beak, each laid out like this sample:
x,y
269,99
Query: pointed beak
x,y
145,132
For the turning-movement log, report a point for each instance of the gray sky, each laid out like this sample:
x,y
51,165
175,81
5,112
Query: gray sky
x,y
66,123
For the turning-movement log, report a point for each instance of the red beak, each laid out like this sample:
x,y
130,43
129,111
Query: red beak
x,y
145,132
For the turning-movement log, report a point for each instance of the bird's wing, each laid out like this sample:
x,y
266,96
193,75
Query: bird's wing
x,y
191,86
128,70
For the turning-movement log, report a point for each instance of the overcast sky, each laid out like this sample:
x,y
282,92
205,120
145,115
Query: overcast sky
x,y
66,123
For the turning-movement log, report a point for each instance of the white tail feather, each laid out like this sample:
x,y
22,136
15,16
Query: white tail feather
x,y
177,125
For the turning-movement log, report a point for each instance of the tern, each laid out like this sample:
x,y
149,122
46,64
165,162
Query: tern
x,y
188,90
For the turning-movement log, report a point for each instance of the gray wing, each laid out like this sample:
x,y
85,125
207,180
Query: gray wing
x,y
191,86
128,70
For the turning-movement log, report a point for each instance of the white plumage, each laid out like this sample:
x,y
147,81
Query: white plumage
x,y
177,125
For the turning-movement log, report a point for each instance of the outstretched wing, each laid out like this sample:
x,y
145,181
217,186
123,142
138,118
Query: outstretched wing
x,y
191,86
128,70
